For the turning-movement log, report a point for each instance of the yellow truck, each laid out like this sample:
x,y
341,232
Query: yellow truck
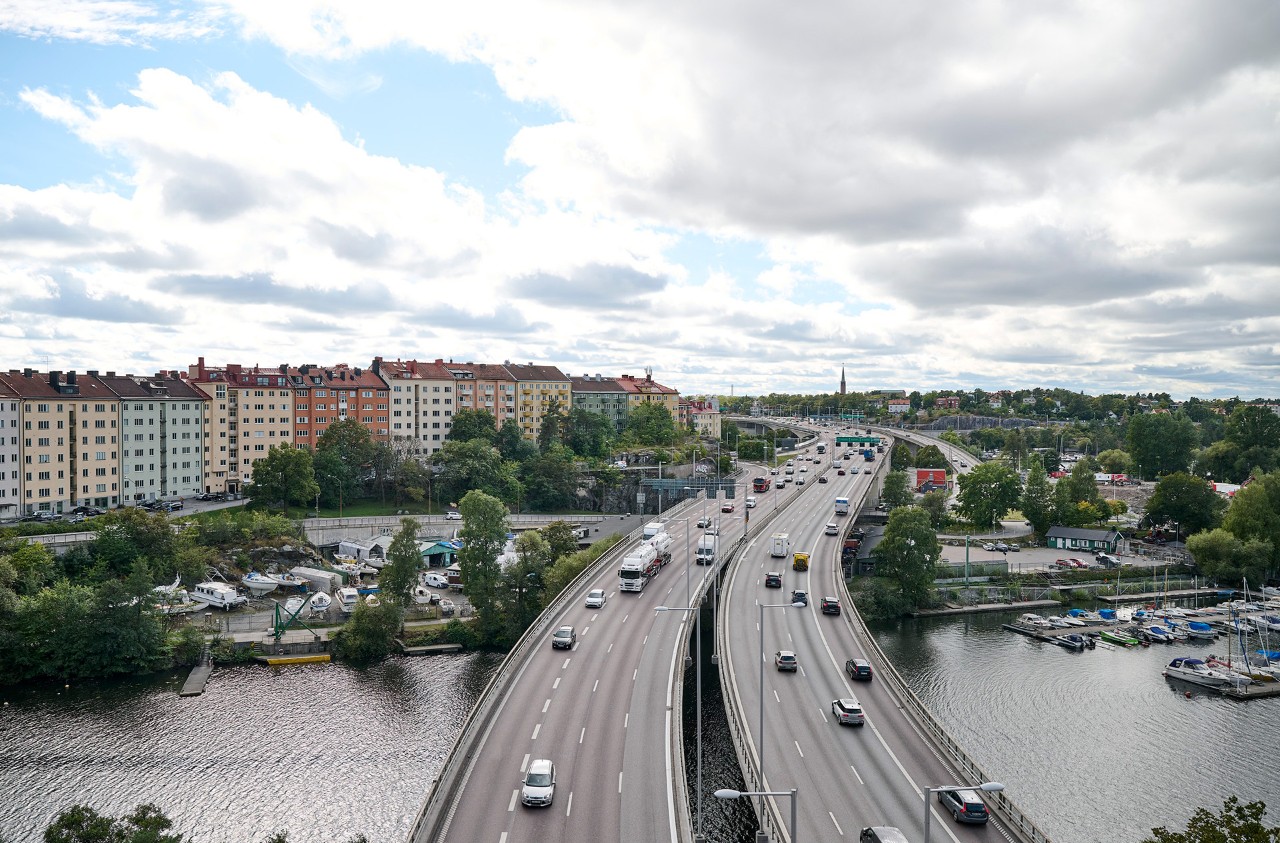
x,y
800,561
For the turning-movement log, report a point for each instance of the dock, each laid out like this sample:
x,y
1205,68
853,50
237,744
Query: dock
x,y
428,649
194,686
302,658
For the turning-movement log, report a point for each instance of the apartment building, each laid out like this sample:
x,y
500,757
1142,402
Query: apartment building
x,y
703,413
598,394
251,410
422,403
325,395
538,389
647,390
163,436
10,453
484,386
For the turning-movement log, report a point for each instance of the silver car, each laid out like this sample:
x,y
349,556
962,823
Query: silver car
x,y
539,784
848,712
596,598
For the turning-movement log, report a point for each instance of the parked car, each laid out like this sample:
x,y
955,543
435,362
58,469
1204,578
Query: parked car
x,y
848,712
830,606
988,546
965,805
564,638
447,608
773,579
786,660
1001,547
1015,548
538,787
453,515
858,669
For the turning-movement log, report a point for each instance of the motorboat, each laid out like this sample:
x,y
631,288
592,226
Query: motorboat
x,y
1087,618
424,596
220,595
294,605
1071,621
319,603
1032,619
372,600
1200,630
259,585
1267,623
1156,634
1074,641
347,598
290,580
1108,616
1198,672
1241,673
1115,636
1057,622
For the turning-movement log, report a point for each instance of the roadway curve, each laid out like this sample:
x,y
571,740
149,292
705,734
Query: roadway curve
x,y
847,777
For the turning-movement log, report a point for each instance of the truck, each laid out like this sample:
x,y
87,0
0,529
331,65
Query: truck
x,y
800,561
761,484
869,455
842,506
779,544
821,447
706,551
661,544
638,567
653,528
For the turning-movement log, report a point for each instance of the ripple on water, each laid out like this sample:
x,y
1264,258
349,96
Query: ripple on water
x,y
321,751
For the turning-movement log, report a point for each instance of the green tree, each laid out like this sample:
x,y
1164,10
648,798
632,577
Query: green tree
x,y
473,424
370,635
400,574
560,538
1236,824
900,456
1115,461
551,480
930,456
550,432
987,493
351,440
285,475
935,503
524,582
484,532
1253,426
1161,443
1076,500
1255,512
896,491
1037,499
33,566
588,434
128,534
511,444
82,824
1187,500
338,481
651,424
908,554
476,465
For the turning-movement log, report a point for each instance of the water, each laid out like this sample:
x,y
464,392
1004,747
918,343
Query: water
x,y
322,752
1096,745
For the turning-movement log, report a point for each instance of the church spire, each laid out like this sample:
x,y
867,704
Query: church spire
x,y
842,380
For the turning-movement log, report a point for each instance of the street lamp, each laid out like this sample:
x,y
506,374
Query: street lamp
x,y
966,562
727,793
988,787
764,606
698,647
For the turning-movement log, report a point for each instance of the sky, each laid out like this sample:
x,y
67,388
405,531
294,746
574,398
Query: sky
x,y
742,196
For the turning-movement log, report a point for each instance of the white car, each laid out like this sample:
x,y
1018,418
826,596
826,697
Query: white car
x,y
539,784
596,598
848,711
453,515
751,503
832,530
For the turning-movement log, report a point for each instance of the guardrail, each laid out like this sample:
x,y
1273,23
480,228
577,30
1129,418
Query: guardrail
x,y
436,811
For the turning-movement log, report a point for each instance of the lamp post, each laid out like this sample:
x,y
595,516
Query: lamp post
x,y
966,562
727,793
988,787
764,606
698,647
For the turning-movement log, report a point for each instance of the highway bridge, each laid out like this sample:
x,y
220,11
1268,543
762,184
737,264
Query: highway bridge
x,y
607,710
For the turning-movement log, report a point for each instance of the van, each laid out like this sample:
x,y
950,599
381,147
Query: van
x,y
652,529
751,502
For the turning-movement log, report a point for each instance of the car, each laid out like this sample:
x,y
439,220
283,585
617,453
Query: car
x,y
965,805
447,608
773,471
75,519
211,496
751,503
85,510
840,472
453,515
726,507
789,471
435,580
803,469
564,638
855,470
799,481
800,597
822,479
713,530
172,506
538,787
858,669
773,579
596,598
830,606
785,660
882,834
848,712
1015,548
41,517
1001,547
704,521
832,530
988,546
882,507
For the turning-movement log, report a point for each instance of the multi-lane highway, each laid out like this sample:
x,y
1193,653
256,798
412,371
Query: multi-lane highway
x,y
846,777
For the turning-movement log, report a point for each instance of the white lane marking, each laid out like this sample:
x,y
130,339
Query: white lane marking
x,y
644,641
569,809
798,749
624,617
608,651
619,782
583,736
836,824
515,795
546,705
502,838
594,686
566,663
776,698
586,629
855,774
536,729
555,684
524,765
634,674
595,615
822,712
626,720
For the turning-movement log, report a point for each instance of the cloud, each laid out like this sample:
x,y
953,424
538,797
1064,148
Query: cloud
x,y
592,287
70,298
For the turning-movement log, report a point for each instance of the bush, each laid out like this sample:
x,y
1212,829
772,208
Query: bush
x,y
185,645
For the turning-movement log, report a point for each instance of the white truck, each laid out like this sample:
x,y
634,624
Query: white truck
x,y
779,544
638,567
842,506
662,546
706,551
653,528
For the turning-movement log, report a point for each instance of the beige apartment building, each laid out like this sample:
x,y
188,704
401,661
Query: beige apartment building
x,y
250,410
422,404
10,453
538,388
484,386
646,390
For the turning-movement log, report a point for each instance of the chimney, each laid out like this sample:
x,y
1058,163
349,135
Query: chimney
x,y
54,377
71,378
93,373
26,373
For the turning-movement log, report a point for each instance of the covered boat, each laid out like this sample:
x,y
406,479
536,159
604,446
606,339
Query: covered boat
x,y
1202,631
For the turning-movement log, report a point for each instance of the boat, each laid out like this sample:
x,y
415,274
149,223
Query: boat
x,y
290,580
220,595
294,605
259,585
1267,623
171,589
319,603
347,598
1115,636
1240,673
1155,634
1057,622
1197,629
372,600
1195,670
1108,616
1070,621
1074,641
1032,619
424,596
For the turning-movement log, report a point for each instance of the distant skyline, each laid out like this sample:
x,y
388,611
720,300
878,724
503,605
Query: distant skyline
x,y
743,196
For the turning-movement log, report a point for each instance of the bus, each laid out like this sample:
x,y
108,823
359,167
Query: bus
x,y
761,484
822,447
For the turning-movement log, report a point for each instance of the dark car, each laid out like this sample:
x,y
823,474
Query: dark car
x,y
85,510
822,479
965,805
830,606
773,580
858,669
564,638
172,506
800,597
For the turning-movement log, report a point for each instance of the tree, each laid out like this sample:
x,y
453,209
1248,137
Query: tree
x,y
1037,499
550,431
473,424
1255,512
476,465
1253,426
551,482
1187,500
32,566
285,475
896,491
400,574
650,424
370,634
525,581
483,534
987,493
900,456
1160,443
1236,824
82,824
588,434
511,444
126,535
908,554
930,456
560,538
1114,461
935,503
